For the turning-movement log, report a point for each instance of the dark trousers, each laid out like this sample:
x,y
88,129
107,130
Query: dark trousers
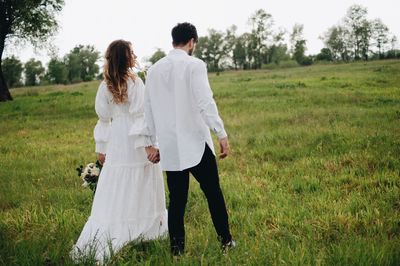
x,y
206,173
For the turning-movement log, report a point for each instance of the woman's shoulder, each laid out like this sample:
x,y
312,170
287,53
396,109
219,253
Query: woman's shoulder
x,y
103,91
102,86
135,85
135,81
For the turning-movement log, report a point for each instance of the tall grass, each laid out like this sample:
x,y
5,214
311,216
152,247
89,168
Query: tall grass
x,y
313,179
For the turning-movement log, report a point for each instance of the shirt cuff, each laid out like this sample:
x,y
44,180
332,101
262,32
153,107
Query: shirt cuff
x,y
142,141
222,134
101,147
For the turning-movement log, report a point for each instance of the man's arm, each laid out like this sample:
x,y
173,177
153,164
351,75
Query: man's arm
x,y
204,98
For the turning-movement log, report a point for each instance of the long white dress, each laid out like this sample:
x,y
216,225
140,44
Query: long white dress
x,y
129,203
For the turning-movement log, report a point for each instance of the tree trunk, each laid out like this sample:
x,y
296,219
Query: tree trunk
x,y
4,92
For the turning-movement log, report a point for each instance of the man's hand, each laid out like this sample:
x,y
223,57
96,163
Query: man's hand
x,y
102,158
224,147
153,154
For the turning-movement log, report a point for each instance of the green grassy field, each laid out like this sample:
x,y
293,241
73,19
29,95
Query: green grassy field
x,y
313,179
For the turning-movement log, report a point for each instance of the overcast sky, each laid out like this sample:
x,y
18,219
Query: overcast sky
x,y
147,24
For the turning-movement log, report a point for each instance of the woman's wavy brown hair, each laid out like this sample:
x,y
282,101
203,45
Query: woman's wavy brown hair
x,y
117,69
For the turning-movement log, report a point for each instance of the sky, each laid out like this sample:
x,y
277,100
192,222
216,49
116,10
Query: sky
x,y
147,24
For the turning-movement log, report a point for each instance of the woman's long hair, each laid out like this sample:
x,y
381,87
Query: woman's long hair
x,y
117,69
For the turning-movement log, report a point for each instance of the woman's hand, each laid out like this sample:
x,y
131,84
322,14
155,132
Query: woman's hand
x,y
153,154
102,158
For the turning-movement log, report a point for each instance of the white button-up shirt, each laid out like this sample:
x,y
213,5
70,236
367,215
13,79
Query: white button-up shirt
x,y
180,110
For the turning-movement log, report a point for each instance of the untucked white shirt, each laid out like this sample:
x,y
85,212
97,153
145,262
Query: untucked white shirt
x,y
180,110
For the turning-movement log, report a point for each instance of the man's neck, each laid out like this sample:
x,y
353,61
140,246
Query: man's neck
x,y
183,48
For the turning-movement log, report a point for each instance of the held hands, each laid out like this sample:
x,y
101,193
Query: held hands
x,y
153,154
224,147
101,158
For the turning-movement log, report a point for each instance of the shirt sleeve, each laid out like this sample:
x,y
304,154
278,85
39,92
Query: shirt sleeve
x,y
204,98
103,126
139,128
149,112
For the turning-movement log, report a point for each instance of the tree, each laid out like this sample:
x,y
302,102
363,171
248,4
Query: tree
x,y
278,51
157,56
380,36
217,49
201,50
33,72
12,70
29,20
239,53
261,33
393,53
336,40
325,55
359,28
81,63
57,71
299,51
73,64
229,46
211,49
366,33
355,35
296,36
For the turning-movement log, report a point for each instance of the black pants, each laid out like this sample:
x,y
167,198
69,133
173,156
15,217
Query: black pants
x,y
206,173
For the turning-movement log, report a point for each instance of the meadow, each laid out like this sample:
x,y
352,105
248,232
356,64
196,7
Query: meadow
x,y
313,178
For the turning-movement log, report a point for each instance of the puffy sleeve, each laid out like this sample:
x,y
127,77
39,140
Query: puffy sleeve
x,y
139,128
103,126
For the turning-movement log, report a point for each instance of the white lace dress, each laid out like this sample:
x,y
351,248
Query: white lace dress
x,y
129,203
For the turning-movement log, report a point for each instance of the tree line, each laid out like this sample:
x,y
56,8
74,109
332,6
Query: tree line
x,y
355,37
33,21
80,64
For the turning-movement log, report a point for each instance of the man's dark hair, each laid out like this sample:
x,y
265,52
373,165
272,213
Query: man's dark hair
x,y
183,33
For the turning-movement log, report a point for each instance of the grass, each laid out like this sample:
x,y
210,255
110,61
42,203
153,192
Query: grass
x,y
313,179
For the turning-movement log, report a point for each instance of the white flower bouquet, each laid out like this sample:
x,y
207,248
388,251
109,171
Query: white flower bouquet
x,y
90,174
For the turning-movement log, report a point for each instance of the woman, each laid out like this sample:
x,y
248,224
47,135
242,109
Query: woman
x,y
129,203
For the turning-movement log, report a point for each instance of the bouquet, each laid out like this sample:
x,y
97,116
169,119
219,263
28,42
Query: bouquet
x,y
90,174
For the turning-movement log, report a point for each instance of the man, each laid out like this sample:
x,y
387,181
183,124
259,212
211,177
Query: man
x,y
180,111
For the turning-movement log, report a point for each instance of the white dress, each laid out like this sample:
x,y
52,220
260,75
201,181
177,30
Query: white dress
x,y
129,203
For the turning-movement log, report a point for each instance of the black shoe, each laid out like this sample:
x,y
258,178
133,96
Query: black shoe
x,y
176,251
177,246
227,246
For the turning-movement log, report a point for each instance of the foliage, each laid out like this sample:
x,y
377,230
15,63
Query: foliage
x,y
12,70
380,35
81,63
34,72
30,20
296,36
211,49
336,41
359,27
357,37
250,50
278,53
325,55
157,56
57,71
299,54
260,36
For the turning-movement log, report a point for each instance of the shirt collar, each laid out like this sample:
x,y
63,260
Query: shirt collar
x,y
177,51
